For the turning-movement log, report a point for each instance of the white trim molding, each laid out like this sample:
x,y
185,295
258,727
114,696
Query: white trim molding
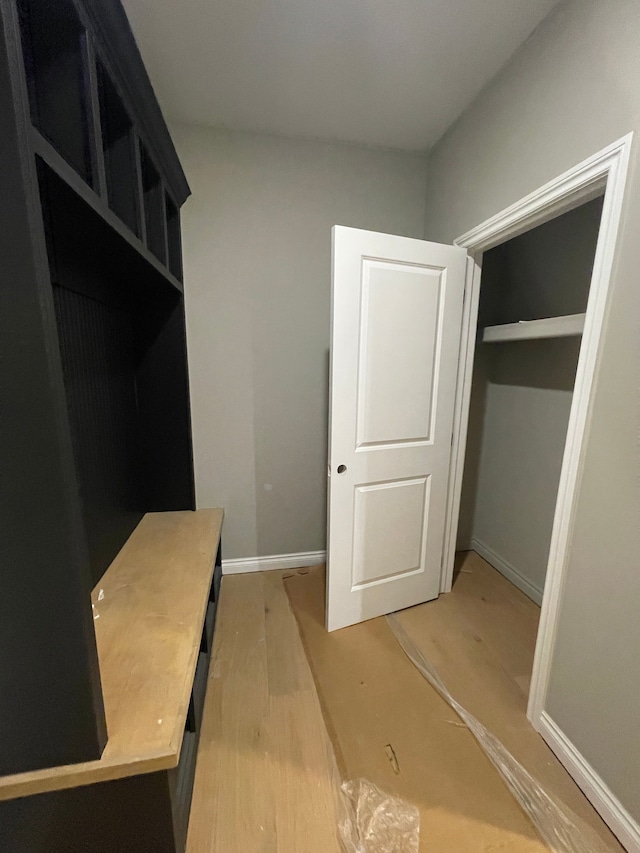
x,y
624,827
276,561
602,174
460,420
509,571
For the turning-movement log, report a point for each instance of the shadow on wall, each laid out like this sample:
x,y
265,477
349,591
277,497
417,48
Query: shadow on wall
x,y
549,364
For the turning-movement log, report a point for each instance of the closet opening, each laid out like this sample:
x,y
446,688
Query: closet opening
x,y
536,294
525,339
534,290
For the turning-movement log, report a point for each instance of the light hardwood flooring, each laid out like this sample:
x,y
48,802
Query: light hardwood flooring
x,y
280,694
265,777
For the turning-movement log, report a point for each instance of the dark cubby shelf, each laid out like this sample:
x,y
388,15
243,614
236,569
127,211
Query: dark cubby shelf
x,y
53,45
47,152
79,113
154,208
174,240
118,141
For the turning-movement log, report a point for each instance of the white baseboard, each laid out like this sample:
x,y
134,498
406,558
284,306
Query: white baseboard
x,y
604,800
507,570
276,561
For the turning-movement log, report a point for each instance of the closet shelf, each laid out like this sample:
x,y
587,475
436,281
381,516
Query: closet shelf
x,y
526,330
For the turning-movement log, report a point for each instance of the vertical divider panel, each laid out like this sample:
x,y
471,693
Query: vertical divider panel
x,y
165,230
96,144
154,206
142,216
174,237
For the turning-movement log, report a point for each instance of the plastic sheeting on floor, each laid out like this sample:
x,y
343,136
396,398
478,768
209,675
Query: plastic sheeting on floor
x,y
555,827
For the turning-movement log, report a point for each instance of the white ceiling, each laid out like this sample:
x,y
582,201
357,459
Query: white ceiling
x,y
393,73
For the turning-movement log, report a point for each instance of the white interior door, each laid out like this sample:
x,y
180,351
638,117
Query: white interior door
x,y
396,325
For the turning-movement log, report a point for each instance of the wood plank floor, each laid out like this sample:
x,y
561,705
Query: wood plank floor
x,y
267,779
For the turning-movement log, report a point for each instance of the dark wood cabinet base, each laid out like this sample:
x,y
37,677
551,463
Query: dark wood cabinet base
x,y
135,815
146,812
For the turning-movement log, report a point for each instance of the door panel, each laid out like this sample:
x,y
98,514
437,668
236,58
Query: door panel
x,y
396,322
396,355
377,556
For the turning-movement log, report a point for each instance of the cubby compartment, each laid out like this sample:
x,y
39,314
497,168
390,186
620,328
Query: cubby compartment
x,y
154,207
54,49
174,241
120,327
119,153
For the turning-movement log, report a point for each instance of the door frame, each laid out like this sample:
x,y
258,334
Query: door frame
x,y
604,171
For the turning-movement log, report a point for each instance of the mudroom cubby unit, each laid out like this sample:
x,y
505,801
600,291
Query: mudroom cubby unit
x,y
96,432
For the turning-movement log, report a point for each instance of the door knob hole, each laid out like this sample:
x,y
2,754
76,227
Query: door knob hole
x,y
342,469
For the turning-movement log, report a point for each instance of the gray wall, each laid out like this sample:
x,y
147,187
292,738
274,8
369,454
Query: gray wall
x,y
257,245
522,396
527,397
571,90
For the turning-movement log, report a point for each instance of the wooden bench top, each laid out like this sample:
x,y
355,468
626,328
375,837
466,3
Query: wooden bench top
x,y
149,608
